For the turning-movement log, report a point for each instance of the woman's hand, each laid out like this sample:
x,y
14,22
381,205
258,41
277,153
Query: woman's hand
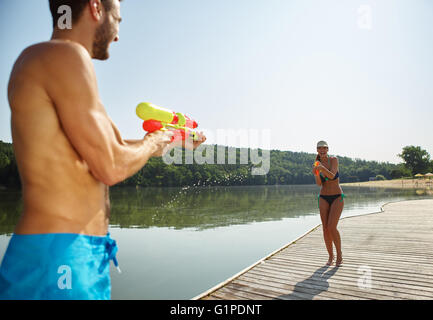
x,y
319,167
314,169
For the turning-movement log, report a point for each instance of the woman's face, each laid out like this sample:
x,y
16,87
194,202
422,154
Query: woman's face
x,y
322,151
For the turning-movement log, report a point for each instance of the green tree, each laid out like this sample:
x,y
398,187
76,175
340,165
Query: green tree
x,y
286,167
4,161
417,160
400,171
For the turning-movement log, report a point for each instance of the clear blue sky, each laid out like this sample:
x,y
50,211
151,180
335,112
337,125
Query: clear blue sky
x,y
304,69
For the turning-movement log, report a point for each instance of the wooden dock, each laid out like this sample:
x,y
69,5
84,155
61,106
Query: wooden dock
x,y
386,255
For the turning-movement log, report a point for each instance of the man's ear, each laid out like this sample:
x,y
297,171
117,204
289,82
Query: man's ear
x,y
96,9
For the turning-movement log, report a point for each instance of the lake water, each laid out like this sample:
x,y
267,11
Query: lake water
x,y
175,243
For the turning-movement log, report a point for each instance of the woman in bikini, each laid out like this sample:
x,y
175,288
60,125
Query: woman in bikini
x,y
331,201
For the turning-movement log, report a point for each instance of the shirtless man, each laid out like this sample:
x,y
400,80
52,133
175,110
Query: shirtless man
x,y
68,153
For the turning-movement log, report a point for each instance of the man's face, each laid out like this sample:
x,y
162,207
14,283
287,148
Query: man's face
x,y
107,32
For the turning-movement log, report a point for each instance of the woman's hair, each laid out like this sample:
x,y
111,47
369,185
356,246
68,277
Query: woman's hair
x,y
317,157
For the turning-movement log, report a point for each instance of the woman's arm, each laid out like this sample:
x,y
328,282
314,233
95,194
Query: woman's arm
x,y
318,180
330,174
317,177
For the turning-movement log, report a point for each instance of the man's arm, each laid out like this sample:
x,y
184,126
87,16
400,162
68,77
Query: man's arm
x,y
73,89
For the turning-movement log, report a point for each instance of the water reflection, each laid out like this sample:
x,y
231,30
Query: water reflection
x,y
210,207
11,207
193,238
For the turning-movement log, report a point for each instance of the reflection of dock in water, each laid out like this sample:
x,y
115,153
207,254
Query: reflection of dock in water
x,y
387,255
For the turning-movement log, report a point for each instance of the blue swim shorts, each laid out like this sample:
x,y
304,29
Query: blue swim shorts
x,y
57,266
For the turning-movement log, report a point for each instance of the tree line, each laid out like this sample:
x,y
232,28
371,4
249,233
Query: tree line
x,y
286,168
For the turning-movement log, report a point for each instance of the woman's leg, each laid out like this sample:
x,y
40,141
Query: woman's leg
x,y
324,215
334,216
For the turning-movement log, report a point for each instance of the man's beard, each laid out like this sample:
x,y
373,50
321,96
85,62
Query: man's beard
x,y
101,41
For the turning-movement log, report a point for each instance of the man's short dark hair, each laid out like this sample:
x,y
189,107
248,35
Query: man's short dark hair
x,y
77,7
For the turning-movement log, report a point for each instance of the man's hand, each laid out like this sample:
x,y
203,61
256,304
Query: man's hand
x,y
161,140
201,139
189,143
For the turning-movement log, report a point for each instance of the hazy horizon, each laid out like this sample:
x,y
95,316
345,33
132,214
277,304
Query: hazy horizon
x,y
357,74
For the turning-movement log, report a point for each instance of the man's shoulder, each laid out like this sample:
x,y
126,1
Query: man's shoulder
x,y
52,66
55,53
56,47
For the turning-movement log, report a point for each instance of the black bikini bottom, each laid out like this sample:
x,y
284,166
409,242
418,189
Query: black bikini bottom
x,y
330,198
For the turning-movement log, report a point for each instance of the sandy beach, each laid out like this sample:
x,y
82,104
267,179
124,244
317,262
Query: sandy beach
x,y
425,184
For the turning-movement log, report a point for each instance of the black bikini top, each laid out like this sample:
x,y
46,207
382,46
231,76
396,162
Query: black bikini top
x,y
324,179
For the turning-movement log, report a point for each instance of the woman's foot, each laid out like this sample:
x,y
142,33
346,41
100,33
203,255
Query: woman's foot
x,y
339,261
331,258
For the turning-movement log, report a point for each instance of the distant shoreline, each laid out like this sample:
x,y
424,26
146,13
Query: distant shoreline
x,y
426,184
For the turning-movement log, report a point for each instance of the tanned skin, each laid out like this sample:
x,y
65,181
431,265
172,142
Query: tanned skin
x,y
67,148
330,214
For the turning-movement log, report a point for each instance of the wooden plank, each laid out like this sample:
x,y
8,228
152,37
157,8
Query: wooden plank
x,y
222,284
285,292
275,291
393,247
397,244
416,269
383,257
422,253
385,273
313,253
217,297
304,291
224,295
409,268
338,290
404,291
361,258
248,291
422,284
377,278
242,295
384,237
354,251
